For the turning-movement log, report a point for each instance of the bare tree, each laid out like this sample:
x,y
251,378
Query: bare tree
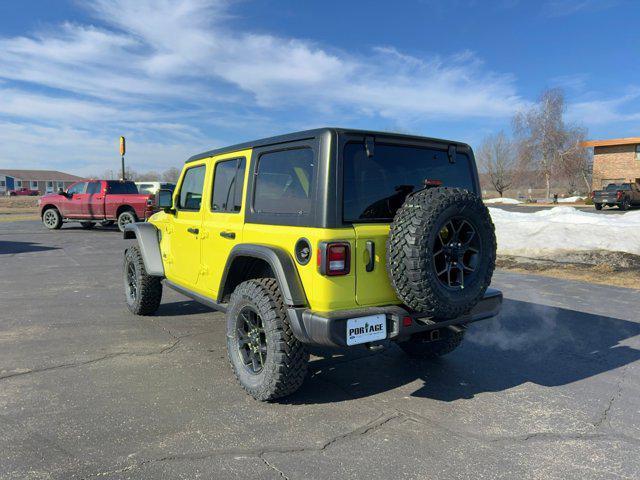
x,y
171,175
576,164
497,159
150,176
545,142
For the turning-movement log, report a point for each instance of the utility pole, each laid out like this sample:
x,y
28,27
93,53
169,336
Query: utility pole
x,y
123,149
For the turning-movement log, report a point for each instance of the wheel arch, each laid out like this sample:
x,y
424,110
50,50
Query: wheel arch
x,y
147,236
48,206
125,208
247,261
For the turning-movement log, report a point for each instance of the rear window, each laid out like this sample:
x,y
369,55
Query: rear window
x,y
284,182
612,187
375,187
122,188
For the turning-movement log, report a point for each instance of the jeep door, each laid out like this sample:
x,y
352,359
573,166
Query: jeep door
x,y
183,265
223,217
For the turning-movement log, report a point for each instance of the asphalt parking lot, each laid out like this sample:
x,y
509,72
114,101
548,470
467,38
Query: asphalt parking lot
x,y
549,390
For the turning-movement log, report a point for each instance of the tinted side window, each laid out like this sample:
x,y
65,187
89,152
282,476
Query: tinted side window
x,y
284,182
228,181
122,188
94,187
77,188
191,188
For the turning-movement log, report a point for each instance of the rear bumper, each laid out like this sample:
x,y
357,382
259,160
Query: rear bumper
x,y
330,328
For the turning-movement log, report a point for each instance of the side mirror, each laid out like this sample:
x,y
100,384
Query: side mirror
x,y
62,192
165,200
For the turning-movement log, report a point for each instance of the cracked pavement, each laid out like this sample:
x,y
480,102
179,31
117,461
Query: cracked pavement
x,y
549,390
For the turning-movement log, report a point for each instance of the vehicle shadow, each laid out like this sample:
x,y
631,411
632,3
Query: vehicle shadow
x,y
10,248
186,307
529,343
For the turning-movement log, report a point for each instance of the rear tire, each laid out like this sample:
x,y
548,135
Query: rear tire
x,y
52,219
625,204
143,292
266,358
87,225
598,206
125,218
420,345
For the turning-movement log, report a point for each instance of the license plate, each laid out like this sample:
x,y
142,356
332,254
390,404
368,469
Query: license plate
x,y
366,329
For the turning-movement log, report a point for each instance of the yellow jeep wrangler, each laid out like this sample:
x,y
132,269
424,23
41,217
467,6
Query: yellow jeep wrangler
x,y
328,237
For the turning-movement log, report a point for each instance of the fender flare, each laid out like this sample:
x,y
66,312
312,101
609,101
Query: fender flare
x,y
281,264
147,236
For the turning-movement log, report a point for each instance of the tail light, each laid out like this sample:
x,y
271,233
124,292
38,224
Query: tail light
x,y
619,195
593,195
430,182
334,258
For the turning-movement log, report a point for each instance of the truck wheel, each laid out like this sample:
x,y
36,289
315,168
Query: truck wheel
x,y
441,251
52,219
266,358
142,291
87,225
125,218
421,345
598,206
625,204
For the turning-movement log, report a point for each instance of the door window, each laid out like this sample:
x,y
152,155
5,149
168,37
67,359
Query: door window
x,y
228,183
77,188
191,189
284,182
94,187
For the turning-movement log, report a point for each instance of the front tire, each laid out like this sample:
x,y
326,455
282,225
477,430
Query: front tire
x,y
420,345
266,358
125,218
143,292
52,219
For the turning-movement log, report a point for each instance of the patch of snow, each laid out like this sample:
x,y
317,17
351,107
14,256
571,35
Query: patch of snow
x,y
565,229
570,199
510,201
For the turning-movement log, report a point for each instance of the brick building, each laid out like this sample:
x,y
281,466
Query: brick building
x,y
45,181
615,161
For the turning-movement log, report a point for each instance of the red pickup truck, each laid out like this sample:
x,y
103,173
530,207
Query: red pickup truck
x,y
91,201
24,191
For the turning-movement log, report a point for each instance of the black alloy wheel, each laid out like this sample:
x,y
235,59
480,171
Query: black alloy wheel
x,y
456,253
251,339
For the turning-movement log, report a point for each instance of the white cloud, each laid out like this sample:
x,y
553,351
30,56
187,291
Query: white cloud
x,y
600,112
162,67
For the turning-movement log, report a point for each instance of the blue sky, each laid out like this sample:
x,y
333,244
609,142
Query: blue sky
x,y
179,77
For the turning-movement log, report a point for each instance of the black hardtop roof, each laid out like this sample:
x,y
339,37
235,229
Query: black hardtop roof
x,y
306,134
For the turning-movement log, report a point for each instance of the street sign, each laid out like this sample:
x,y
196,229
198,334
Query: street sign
x,y
123,146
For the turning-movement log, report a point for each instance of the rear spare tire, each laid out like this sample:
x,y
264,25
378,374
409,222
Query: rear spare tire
x,y
441,251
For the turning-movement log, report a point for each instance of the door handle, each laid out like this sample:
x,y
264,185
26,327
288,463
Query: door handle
x,y
371,250
230,235
195,231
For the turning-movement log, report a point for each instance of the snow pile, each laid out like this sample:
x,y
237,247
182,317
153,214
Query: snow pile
x,y
565,229
510,201
571,199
